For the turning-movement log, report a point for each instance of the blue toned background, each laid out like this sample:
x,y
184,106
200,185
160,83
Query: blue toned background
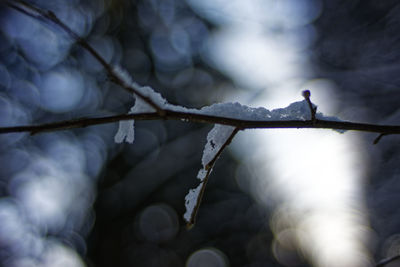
x,y
75,198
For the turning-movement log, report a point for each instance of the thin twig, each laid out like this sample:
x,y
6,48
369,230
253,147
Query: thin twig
x,y
386,261
208,167
48,16
376,141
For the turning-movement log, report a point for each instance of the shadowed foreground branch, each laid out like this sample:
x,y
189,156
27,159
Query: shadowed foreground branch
x,y
163,113
202,118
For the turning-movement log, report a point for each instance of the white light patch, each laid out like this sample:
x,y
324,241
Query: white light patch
x,y
61,91
58,255
250,51
267,13
316,175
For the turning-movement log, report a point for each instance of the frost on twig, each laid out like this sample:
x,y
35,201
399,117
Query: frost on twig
x,y
147,100
126,129
217,139
299,110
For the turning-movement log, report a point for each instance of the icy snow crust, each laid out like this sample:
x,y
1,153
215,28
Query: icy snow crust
x,y
215,140
191,201
295,111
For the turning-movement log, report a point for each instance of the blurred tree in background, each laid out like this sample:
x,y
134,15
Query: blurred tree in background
x,y
358,47
53,180
75,198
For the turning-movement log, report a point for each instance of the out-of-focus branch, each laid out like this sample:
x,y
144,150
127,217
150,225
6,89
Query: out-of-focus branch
x,y
387,261
48,16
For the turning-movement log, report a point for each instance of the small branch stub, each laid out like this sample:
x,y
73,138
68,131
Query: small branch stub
x,y
376,141
306,94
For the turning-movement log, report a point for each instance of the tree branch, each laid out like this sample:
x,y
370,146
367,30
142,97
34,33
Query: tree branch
x,y
208,168
48,16
202,118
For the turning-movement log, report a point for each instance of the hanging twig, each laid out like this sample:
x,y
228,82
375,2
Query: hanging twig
x,y
208,168
376,141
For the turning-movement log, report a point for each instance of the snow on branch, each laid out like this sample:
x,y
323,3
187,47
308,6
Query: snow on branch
x,y
126,129
218,139
297,111
197,117
233,114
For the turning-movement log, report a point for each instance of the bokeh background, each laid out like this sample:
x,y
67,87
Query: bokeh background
x,y
275,198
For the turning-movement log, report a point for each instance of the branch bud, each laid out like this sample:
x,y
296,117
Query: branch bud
x,y
306,94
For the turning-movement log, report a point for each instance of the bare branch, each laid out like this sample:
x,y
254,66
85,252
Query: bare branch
x,y
376,141
48,16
